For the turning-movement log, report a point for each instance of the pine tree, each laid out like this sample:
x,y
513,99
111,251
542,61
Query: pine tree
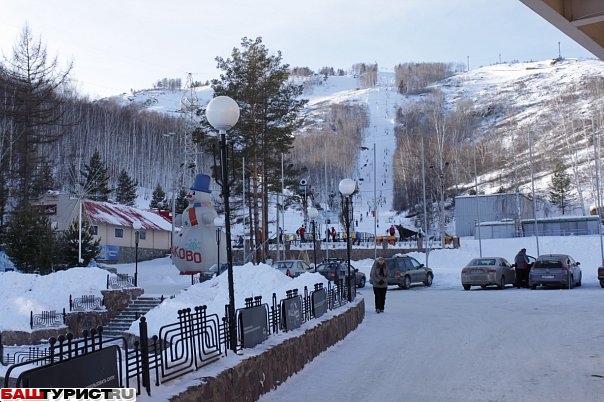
x,y
31,243
181,201
70,244
96,179
125,192
158,198
270,107
43,180
559,190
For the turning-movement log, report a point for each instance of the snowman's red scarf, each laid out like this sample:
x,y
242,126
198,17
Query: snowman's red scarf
x,y
192,215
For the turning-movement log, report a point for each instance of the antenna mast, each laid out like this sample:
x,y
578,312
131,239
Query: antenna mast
x,y
189,103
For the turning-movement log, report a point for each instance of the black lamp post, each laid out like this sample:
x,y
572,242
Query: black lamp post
x,y
136,225
347,187
313,214
222,113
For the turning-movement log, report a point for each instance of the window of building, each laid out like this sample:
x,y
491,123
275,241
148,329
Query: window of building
x,y
119,233
142,234
94,230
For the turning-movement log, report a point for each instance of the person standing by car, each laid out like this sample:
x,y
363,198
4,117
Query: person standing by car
x,y
302,232
522,269
379,280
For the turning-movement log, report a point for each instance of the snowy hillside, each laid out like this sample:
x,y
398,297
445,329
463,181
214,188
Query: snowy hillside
x,y
511,99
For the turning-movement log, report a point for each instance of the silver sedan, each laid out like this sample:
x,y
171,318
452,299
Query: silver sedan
x,y
488,271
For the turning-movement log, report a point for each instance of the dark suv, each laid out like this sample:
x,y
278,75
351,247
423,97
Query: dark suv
x,y
336,269
405,270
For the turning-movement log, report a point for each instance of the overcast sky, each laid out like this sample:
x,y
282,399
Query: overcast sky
x,y
119,45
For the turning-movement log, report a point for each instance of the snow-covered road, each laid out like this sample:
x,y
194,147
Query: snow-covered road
x,y
450,345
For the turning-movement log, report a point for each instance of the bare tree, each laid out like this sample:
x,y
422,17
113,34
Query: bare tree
x,y
33,104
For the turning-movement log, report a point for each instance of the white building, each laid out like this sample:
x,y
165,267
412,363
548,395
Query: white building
x,y
112,224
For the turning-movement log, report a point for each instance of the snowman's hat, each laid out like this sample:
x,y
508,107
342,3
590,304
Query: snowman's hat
x,y
202,183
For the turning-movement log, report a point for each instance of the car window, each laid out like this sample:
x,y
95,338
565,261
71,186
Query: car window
x,y
303,266
548,264
404,264
414,263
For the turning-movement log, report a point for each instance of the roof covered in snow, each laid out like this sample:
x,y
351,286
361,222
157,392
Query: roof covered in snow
x,y
123,215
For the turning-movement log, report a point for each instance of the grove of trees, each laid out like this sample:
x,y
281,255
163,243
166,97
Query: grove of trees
x,y
270,107
115,150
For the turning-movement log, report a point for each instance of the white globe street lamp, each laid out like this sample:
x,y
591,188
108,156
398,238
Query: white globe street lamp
x,y
223,113
347,188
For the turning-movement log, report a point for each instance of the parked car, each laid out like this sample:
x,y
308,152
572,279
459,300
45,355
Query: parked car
x,y
292,268
601,276
555,270
336,269
488,271
405,271
212,272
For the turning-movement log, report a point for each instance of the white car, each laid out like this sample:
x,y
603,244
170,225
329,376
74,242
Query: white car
x,y
292,268
488,271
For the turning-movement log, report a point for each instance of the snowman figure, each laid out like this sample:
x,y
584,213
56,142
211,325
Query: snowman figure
x,y
195,248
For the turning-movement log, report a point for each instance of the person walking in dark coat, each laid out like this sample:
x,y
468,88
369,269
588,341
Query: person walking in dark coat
x,y
522,269
379,279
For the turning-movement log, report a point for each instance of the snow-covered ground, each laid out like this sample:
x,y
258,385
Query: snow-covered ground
x,y
432,344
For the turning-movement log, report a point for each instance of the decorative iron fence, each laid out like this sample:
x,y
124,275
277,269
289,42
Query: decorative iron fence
x,y
46,319
120,281
20,353
195,340
85,303
65,348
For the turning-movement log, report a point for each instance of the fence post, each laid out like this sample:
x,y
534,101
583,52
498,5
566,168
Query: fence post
x,y
144,347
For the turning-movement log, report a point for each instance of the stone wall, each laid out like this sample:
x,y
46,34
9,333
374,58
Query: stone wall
x,y
77,321
127,255
260,374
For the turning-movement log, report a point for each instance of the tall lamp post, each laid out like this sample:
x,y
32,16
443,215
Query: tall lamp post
x,y
313,213
347,187
222,113
136,225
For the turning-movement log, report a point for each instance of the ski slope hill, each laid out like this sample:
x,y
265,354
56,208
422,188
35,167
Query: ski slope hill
x,y
510,98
